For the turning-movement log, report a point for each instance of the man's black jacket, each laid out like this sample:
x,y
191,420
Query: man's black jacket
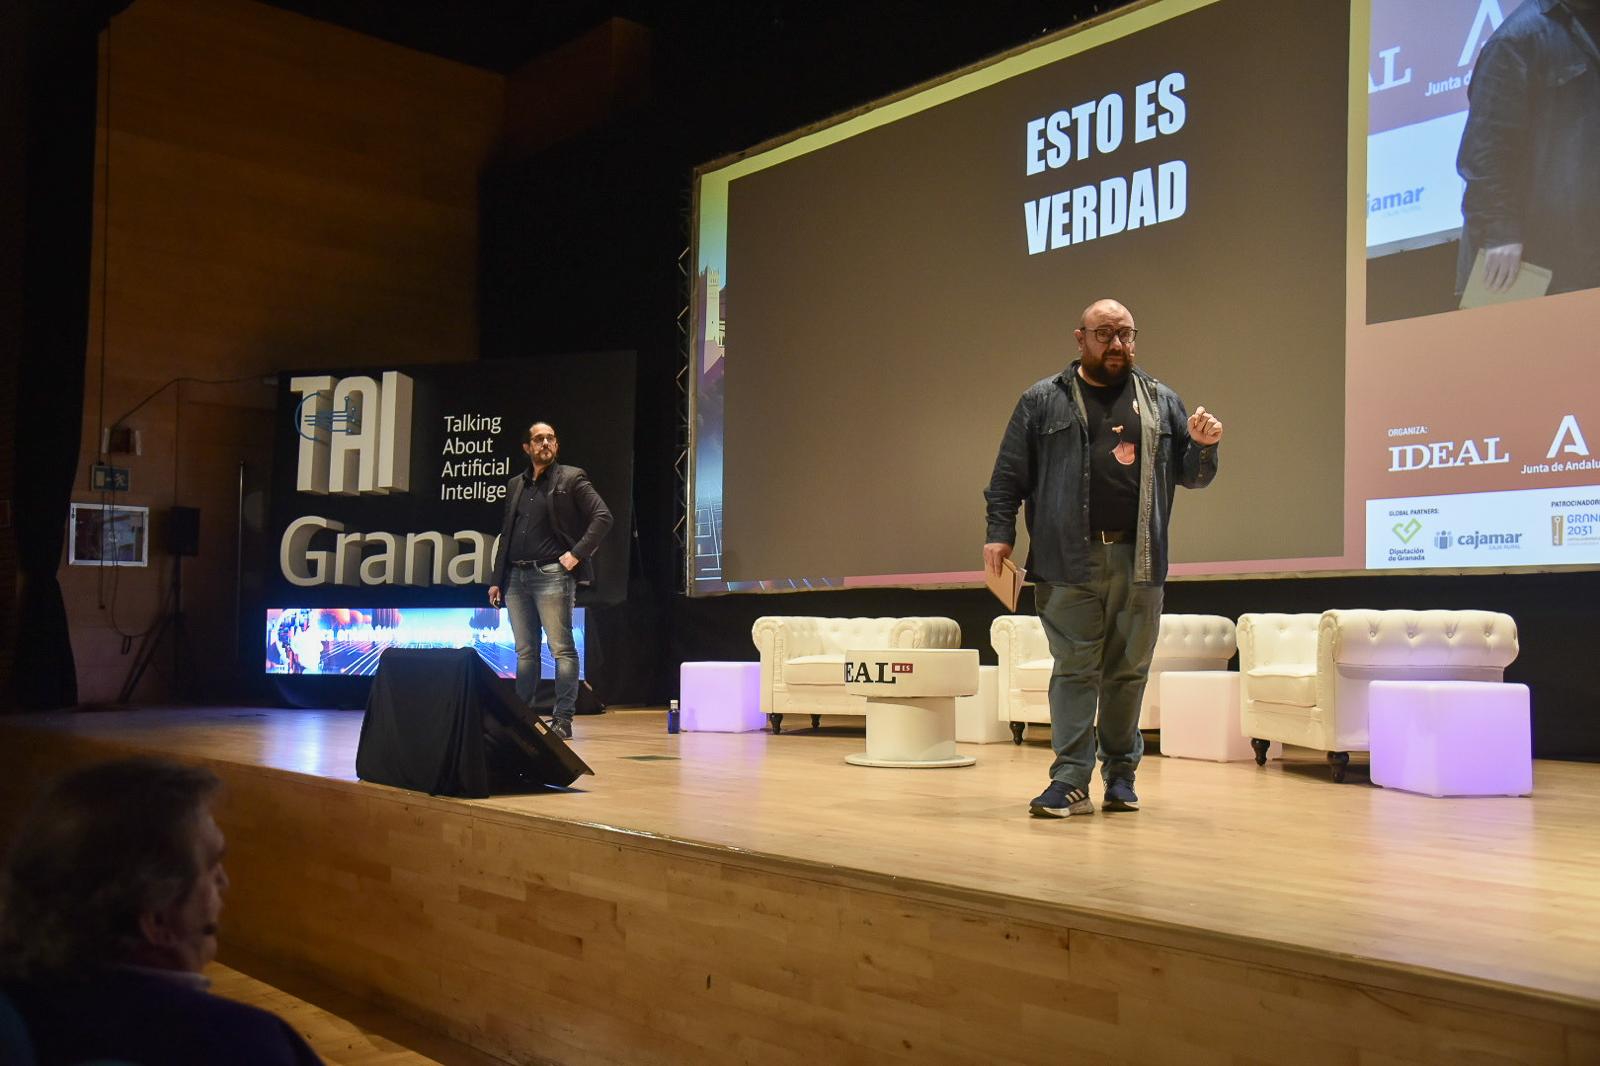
x,y
578,516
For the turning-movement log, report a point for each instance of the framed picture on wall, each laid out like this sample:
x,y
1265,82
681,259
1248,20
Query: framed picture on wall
x,y
115,534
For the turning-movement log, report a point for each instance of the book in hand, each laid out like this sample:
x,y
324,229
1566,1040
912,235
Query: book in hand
x,y
1007,584
1531,281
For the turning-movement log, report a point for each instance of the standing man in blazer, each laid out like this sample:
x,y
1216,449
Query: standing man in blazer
x,y
554,523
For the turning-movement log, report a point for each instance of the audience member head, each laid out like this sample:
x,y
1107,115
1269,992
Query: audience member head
x,y
118,864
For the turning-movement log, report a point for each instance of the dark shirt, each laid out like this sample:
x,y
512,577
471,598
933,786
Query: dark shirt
x,y
1531,147
532,536
1113,456
578,518
134,1016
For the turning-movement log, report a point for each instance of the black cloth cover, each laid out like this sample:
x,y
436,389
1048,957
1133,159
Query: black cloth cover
x,y
440,721
51,52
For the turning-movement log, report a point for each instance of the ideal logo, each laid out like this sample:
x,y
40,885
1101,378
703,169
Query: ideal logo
x,y
1407,529
1488,18
1407,457
1441,539
1390,79
355,434
858,672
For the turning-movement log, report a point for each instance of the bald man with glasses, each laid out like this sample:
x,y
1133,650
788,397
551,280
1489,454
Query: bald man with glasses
x,y
1095,453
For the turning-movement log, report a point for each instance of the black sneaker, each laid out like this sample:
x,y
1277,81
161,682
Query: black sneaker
x,y
1120,795
562,728
1061,800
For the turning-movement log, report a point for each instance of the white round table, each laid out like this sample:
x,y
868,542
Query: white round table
x,y
911,703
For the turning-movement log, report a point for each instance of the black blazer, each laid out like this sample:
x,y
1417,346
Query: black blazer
x,y
578,516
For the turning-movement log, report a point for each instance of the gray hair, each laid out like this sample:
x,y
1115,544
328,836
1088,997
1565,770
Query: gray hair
x,y
103,846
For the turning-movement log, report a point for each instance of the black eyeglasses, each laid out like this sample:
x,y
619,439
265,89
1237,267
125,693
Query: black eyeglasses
x,y
1103,334
543,438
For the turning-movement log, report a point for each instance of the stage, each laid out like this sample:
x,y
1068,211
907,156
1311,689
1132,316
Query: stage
x,y
730,898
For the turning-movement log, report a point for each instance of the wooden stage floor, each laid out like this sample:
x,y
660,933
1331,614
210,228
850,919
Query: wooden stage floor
x,y
1484,903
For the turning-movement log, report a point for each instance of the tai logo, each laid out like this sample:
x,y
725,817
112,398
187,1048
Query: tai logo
x,y
355,434
1441,539
875,673
1407,529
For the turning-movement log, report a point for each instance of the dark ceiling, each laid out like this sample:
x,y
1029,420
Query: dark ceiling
x,y
501,35
728,74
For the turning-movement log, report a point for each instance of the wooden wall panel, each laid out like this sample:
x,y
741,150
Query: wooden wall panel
x,y
583,83
527,936
281,193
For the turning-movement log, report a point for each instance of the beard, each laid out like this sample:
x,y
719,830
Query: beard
x,y
1104,375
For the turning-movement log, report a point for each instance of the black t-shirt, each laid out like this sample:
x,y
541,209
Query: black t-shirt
x,y
1113,455
532,536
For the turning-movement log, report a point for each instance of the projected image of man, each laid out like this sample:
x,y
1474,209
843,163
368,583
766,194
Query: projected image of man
x,y
1095,453
1531,148
554,523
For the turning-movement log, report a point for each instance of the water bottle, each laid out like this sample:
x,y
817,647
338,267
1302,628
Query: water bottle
x,y
672,716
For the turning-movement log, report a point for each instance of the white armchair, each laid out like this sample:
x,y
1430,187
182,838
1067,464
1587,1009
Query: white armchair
x,y
802,658
1304,677
1184,642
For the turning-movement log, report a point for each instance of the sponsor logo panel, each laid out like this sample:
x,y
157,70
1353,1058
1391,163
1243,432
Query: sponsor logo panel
x,y
1532,527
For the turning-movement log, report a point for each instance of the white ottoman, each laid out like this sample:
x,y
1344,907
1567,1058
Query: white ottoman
x,y
1200,717
911,703
978,717
720,697
1451,738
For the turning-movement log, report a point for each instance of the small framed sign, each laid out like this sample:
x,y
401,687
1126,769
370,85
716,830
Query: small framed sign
x,y
106,478
108,535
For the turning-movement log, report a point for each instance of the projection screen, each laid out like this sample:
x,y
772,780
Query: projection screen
x,y
873,295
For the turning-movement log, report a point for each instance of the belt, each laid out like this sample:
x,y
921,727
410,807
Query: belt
x,y
528,564
1111,536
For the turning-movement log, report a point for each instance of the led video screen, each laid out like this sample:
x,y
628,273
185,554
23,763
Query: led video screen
x,y
349,641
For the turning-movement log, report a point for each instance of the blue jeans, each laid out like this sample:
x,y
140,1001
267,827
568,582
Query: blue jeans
x,y
541,598
1102,635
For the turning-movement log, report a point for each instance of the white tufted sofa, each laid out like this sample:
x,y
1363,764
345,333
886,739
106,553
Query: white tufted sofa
x,y
1304,677
802,658
1184,642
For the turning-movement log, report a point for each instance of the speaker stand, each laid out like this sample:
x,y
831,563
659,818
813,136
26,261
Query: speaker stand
x,y
173,626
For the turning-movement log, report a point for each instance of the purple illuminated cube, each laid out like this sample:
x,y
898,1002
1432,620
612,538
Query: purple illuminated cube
x,y
720,697
1451,738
